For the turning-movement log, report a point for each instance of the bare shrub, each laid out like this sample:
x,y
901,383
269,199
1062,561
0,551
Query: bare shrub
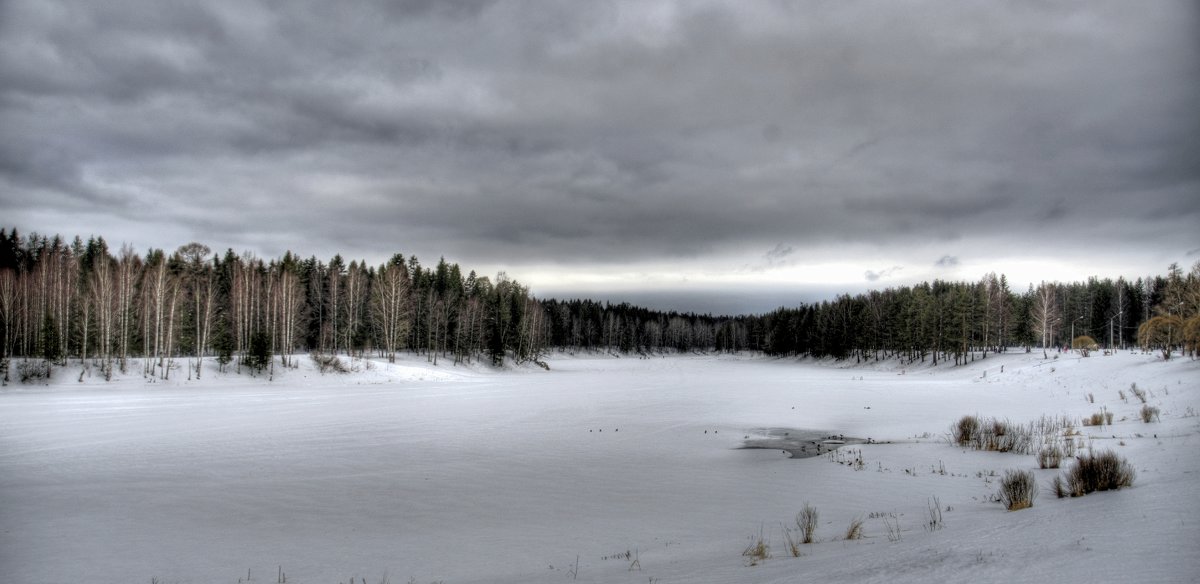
x,y
1018,489
1150,414
892,523
806,520
1138,392
1050,456
33,370
1095,472
326,363
935,515
1046,425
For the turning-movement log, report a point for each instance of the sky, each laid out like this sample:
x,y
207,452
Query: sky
x,y
716,157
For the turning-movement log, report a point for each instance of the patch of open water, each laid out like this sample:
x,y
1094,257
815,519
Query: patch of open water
x,y
799,442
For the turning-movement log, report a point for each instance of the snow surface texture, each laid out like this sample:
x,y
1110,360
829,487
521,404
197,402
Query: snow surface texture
x,y
461,474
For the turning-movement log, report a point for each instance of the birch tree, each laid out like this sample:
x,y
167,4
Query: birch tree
x,y
1045,312
102,296
128,268
353,302
334,295
390,306
160,302
201,282
289,303
245,303
8,317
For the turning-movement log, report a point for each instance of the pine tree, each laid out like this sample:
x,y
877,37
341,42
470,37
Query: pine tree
x,y
258,357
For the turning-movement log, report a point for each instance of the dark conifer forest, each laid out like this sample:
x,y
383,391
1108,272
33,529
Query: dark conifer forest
x,y
81,301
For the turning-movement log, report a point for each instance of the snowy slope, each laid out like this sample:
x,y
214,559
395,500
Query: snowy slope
x,y
467,474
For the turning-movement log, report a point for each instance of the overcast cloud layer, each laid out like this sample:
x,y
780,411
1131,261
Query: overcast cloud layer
x,y
618,147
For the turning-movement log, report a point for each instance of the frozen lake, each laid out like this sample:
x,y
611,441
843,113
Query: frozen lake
x,y
468,475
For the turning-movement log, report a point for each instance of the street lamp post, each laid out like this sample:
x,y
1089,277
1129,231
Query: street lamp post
x,y
1110,324
1073,331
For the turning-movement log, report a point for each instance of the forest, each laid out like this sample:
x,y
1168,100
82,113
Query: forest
x,y
160,312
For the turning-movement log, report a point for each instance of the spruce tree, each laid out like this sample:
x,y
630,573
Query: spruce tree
x,y
259,355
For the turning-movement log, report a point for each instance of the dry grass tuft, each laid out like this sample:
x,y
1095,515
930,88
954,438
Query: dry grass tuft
x,y
855,531
806,520
758,551
1003,436
1050,456
966,429
1018,489
1094,472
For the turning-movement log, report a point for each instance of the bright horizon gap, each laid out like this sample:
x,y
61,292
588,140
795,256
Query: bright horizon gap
x,y
743,284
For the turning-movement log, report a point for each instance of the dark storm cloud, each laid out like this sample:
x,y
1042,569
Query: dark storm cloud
x,y
601,132
873,276
779,253
947,261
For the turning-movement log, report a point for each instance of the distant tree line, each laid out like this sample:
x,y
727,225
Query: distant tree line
x,y
80,300
962,321
939,321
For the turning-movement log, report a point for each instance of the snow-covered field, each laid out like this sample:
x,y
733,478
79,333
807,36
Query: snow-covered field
x,y
461,474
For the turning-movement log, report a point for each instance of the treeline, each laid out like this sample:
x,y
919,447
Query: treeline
x,y
81,300
939,321
960,321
